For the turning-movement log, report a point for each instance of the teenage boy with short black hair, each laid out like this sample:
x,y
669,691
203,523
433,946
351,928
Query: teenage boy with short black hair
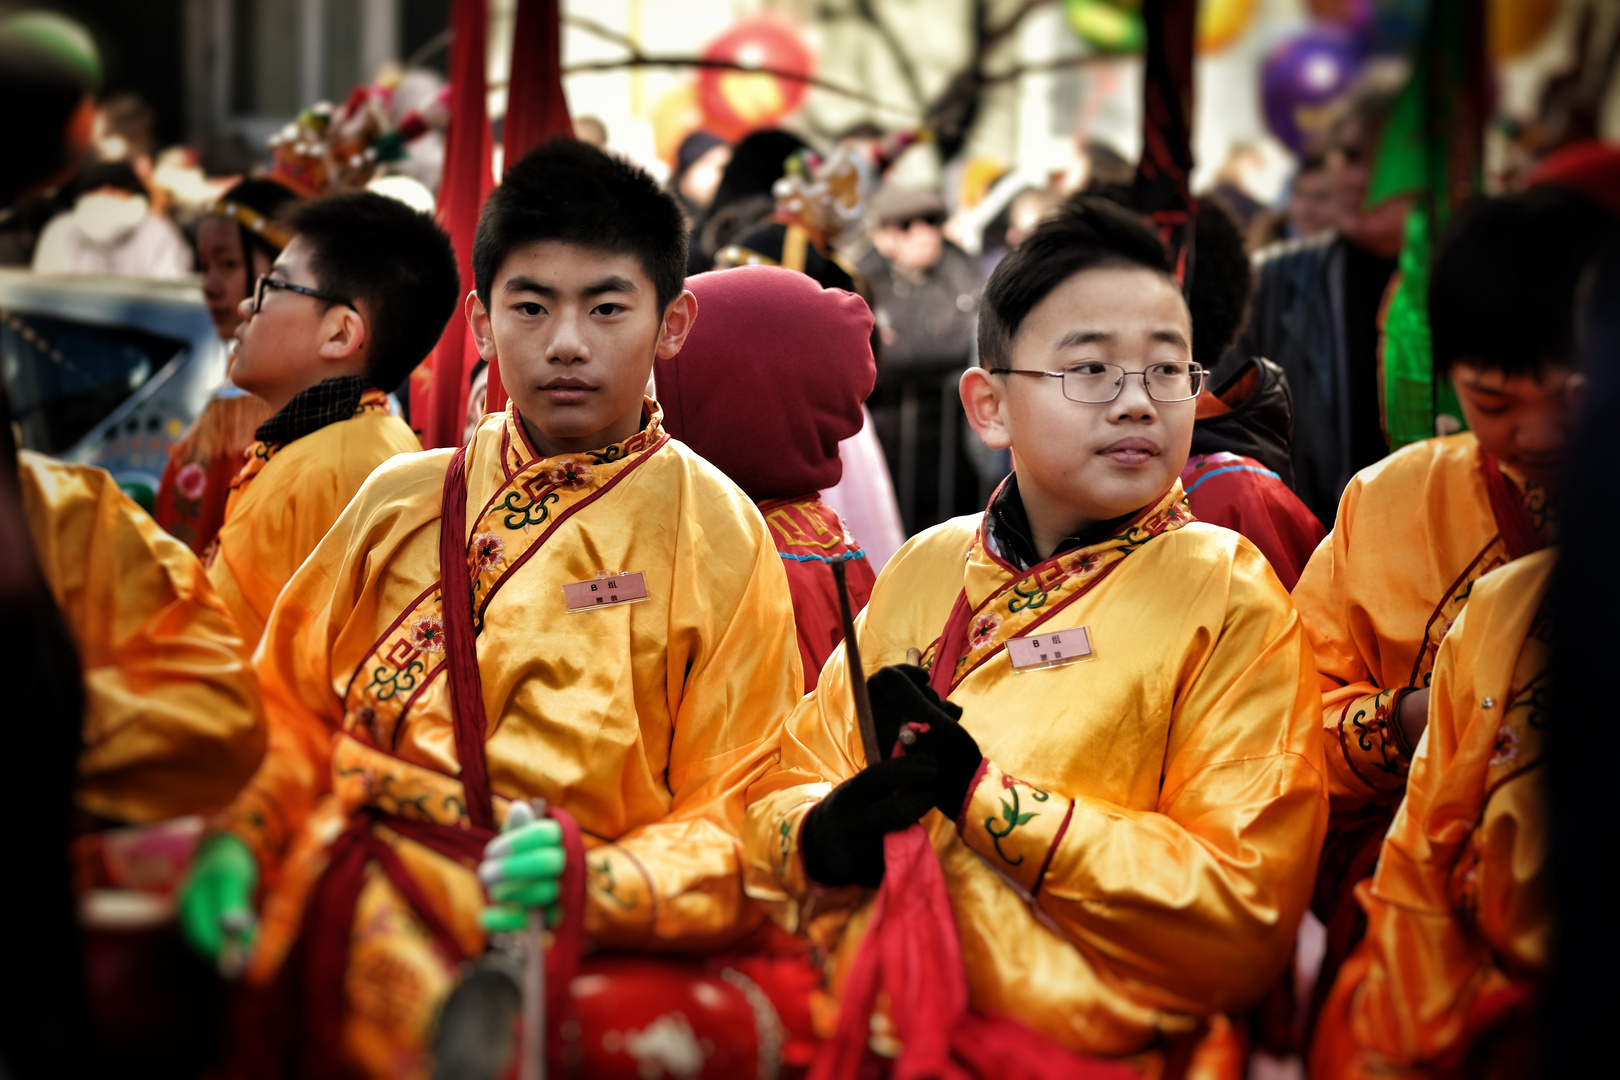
x,y
355,301
645,720
1128,842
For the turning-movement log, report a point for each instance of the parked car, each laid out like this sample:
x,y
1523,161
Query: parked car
x,y
106,371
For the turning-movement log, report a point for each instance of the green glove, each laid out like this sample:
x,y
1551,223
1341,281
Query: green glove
x,y
216,900
522,869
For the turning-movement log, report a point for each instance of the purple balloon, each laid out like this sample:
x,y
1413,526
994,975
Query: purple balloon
x,y
1301,76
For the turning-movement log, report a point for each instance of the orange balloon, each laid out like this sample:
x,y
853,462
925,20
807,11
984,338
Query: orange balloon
x,y
1516,26
1221,22
676,115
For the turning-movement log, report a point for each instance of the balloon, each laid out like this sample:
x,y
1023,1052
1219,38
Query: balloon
x,y
737,102
60,36
1109,26
675,116
1221,22
1515,26
1301,76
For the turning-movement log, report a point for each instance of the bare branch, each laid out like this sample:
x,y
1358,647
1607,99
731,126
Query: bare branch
x,y
606,33
993,35
902,59
1062,63
727,65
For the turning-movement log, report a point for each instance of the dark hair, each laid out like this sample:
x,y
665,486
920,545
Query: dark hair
x,y
1087,233
569,191
107,174
1222,280
398,262
1502,292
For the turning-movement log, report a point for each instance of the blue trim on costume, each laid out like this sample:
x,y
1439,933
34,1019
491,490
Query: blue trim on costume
x,y
858,553
1231,468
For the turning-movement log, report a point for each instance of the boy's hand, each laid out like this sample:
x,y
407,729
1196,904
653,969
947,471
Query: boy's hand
x,y
1413,716
902,699
216,899
522,869
901,695
843,833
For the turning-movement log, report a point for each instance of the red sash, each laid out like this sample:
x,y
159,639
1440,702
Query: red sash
x,y
1519,533
315,970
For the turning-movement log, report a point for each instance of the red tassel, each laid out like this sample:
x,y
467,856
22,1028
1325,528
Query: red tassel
x,y
466,182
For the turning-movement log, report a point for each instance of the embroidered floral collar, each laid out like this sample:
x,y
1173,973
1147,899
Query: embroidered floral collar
x,y
517,454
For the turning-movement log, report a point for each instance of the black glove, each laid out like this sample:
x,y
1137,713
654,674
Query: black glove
x,y
901,695
843,833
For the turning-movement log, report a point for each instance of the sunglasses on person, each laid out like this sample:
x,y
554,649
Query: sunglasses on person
x,y
267,282
931,219
1095,383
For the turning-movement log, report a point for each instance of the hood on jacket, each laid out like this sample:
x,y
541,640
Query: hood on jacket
x,y
771,378
1250,411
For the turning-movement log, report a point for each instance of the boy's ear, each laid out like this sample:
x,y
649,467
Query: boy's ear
x,y
478,319
981,400
344,333
678,320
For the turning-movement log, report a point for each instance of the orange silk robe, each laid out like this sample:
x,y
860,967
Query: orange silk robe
x,y
647,720
1414,533
1148,865
287,496
1460,910
172,722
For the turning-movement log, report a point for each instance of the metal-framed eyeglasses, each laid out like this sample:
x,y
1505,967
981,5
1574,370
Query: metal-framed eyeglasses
x,y
1096,383
267,282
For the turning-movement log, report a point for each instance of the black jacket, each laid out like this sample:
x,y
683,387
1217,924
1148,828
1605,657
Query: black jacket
x,y
1293,321
1261,426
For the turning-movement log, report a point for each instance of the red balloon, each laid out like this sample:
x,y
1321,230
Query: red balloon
x,y
737,102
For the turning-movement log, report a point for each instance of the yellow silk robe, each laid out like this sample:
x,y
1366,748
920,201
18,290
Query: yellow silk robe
x,y
1175,781
172,722
647,721
288,496
1460,906
1414,533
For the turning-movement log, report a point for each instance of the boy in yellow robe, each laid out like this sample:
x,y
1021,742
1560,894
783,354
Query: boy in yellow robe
x,y
1459,918
1127,842
1415,532
350,307
172,723
646,720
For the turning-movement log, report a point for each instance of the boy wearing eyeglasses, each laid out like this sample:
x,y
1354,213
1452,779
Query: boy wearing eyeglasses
x,y
1112,730
355,301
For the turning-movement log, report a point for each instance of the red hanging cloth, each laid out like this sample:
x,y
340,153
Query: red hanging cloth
x,y
536,109
441,404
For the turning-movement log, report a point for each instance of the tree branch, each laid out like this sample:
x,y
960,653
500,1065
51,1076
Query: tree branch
x,y
902,60
727,65
993,35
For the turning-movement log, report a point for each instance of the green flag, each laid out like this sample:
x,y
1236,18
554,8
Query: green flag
x,y
1431,147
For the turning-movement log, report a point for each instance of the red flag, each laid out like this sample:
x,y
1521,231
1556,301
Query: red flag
x,y
467,180
536,109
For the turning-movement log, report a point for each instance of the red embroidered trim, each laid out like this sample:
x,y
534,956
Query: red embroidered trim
x,y
1051,852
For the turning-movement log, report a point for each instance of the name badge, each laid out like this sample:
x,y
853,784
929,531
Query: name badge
x,y
604,591
1049,650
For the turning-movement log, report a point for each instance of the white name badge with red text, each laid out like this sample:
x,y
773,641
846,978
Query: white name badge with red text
x,y
1049,650
605,591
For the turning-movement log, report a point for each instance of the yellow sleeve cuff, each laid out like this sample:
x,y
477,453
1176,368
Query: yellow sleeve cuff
x,y
1014,825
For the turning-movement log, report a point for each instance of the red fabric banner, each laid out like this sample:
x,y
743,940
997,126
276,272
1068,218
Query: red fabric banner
x,y
441,407
536,109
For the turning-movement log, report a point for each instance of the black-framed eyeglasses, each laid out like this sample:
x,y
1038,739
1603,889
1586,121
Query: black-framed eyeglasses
x,y
1096,383
267,282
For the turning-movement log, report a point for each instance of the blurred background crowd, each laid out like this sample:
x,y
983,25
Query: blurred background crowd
x,y
966,120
